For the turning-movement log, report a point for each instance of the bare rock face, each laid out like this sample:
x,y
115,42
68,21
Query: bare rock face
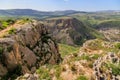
x,y
27,49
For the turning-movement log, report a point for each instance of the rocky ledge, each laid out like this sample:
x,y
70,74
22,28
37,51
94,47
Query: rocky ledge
x,y
27,49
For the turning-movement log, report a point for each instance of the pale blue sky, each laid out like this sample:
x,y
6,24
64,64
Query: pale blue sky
x,y
52,5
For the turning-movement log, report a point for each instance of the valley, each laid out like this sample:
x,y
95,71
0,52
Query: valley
x,y
60,45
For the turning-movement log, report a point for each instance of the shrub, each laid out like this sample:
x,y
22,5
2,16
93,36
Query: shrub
x,y
9,48
115,68
1,50
10,21
85,57
82,77
95,56
118,45
67,49
12,31
44,73
24,20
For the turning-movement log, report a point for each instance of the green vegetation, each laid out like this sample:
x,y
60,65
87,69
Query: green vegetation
x,y
12,31
96,56
115,68
44,73
82,77
9,48
67,49
85,57
95,45
93,19
118,45
110,24
77,37
6,23
24,20
1,49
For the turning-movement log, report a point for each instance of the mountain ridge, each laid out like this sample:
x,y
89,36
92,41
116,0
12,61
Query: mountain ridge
x,y
44,14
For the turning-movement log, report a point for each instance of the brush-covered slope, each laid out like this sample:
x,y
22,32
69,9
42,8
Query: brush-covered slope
x,y
24,47
70,30
110,29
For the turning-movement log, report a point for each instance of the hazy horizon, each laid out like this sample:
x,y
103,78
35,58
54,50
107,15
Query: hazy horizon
x,y
60,5
57,10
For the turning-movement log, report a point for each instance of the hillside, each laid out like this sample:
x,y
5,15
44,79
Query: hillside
x,y
59,45
18,13
70,30
95,60
94,18
110,29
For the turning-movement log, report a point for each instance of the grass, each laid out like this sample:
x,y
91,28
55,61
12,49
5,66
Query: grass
x,y
6,23
82,77
115,68
44,73
117,45
24,20
12,31
67,49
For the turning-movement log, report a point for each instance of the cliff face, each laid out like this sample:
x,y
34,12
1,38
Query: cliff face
x,y
28,48
70,30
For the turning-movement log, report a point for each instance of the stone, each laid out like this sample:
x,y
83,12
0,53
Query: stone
x,y
27,49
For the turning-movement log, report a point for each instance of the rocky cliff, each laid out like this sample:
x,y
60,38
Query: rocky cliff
x,y
25,48
70,30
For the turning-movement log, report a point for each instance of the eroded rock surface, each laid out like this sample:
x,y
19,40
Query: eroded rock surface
x,y
107,67
28,48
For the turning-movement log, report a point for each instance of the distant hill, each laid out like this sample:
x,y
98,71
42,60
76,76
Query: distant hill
x,y
70,30
110,29
34,13
45,14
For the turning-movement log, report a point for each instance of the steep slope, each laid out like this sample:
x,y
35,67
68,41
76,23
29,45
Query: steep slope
x,y
70,30
110,29
24,48
95,60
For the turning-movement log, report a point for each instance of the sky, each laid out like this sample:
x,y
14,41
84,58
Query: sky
x,y
56,5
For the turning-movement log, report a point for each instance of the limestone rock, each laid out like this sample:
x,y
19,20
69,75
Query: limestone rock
x,y
27,49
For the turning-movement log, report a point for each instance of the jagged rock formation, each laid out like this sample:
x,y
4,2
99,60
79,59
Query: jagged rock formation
x,y
26,49
70,30
107,67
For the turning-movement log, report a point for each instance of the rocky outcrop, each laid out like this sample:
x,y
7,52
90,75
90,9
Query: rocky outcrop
x,y
107,67
25,50
70,30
